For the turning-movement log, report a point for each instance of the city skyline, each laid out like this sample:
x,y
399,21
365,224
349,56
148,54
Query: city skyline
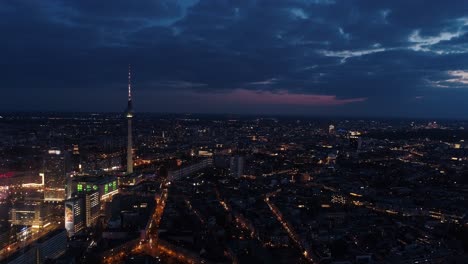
x,y
234,131
308,58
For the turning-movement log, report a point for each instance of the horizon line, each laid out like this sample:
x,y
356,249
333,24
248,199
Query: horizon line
x,y
283,115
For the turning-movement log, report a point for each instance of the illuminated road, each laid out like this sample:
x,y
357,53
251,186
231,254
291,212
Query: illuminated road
x,y
289,230
153,227
241,222
152,244
195,212
168,250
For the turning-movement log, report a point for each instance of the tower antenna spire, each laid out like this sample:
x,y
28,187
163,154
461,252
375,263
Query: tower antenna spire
x,y
129,83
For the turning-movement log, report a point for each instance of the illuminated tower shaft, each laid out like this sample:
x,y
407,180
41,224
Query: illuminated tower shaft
x,y
129,146
129,126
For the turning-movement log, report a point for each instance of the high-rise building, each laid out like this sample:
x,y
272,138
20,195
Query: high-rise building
x,y
129,126
355,140
54,168
105,185
236,166
92,207
74,215
75,158
82,210
69,188
54,175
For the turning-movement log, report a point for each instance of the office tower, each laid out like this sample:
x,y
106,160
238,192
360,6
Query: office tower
x,y
75,159
92,207
355,140
74,215
83,209
236,166
69,186
54,169
106,186
55,175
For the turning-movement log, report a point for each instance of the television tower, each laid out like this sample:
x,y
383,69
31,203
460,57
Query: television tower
x,y
129,125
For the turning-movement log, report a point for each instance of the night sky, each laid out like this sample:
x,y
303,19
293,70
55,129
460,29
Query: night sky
x,y
405,58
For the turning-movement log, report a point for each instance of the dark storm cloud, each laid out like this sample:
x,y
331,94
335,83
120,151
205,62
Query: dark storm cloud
x,y
358,57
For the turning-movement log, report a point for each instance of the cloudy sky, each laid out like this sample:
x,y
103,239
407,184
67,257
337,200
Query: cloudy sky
x,y
309,57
